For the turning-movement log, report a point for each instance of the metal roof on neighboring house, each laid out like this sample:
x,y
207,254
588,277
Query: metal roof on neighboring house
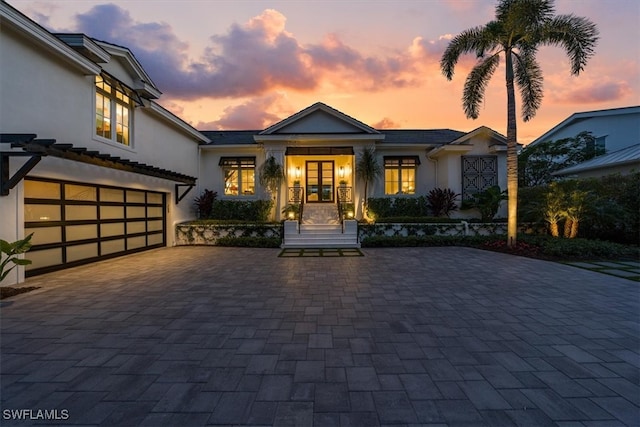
x,y
392,136
628,155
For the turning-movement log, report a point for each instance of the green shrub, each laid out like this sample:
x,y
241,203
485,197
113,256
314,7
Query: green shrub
x,y
387,207
417,219
422,241
204,203
241,210
442,201
612,211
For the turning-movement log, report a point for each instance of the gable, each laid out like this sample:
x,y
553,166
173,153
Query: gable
x,y
319,122
319,118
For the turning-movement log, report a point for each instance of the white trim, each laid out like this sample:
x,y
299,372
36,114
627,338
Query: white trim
x,y
319,106
82,41
445,149
45,39
482,130
176,121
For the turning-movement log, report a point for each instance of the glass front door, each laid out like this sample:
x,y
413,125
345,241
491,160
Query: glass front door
x,y
320,181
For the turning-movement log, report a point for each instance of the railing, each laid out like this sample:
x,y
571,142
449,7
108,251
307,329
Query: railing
x,y
345,194
339,198
296,197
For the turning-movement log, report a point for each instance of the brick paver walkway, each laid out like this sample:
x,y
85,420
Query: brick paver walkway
x,y
198,336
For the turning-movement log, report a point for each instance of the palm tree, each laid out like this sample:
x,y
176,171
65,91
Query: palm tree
x,y
520,28
368,169
271,177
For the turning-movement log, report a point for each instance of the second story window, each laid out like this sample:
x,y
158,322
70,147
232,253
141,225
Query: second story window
x,y
113,112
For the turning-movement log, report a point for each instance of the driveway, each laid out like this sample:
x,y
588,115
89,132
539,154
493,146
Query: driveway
x,y
192,336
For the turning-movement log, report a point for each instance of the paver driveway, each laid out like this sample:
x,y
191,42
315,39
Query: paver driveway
x,y
198,335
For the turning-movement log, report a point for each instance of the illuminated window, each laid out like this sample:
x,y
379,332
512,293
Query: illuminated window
x,y
113,111
239,175
400,174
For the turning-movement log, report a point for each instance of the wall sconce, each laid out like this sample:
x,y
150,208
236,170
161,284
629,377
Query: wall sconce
x,y
298,173
341,171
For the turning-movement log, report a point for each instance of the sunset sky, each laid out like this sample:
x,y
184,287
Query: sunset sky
x,y
224,64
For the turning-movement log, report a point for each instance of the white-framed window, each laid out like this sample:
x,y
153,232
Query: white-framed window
x,y
239,175
113,111
400,174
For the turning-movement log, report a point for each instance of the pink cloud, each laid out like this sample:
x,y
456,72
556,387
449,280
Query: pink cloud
x,y
254,58
386,123
257,113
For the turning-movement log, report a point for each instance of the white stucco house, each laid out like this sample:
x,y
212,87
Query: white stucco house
x,y
616,130
96,168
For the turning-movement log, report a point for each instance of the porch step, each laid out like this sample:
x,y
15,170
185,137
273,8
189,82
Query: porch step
x,y
320,213
321,236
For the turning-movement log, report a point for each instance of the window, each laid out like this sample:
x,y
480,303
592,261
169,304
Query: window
x,y
113,107
478,174
239,175
400,174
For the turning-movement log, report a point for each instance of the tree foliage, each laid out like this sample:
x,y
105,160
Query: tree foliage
x,y
368,169
536,164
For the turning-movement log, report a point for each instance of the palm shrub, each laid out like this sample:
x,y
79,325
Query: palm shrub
x,y
271,177
487,202
442,201
368,169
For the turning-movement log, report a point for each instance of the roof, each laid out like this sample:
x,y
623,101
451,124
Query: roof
x,y
230,137
416,136
585,115
626,156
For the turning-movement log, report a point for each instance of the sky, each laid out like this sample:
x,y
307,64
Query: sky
x,y
246,64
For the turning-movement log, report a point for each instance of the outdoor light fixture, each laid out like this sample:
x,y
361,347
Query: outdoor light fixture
x,y
298,173
341,171
350,214
291,215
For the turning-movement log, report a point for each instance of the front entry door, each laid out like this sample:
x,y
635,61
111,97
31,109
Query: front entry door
x,y
319,181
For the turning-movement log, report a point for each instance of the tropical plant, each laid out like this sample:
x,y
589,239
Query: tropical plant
x,y
292,208
368,169
442,201
271,177
519,29
554,207
9,254
537,163
204,203
487,202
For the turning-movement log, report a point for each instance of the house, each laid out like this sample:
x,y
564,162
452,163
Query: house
x,y
90,162
95,168
615,131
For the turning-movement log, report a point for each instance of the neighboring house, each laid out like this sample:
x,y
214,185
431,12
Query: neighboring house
x,y
319,146
108,185
621,162
95,168
613,129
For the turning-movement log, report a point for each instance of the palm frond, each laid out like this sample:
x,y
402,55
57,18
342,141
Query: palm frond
x,y
478,40
529,79
520,16
576,34
476,84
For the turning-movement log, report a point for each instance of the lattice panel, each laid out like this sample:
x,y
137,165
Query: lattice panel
x,y
478,174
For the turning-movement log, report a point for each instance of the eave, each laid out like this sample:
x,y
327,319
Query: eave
x,y
10,17
346,137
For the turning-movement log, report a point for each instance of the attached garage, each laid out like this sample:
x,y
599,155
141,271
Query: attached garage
x,y
76,223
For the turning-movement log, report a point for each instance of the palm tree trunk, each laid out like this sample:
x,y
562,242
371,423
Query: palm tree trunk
x,y
553,229
574,229
512,156
568,224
